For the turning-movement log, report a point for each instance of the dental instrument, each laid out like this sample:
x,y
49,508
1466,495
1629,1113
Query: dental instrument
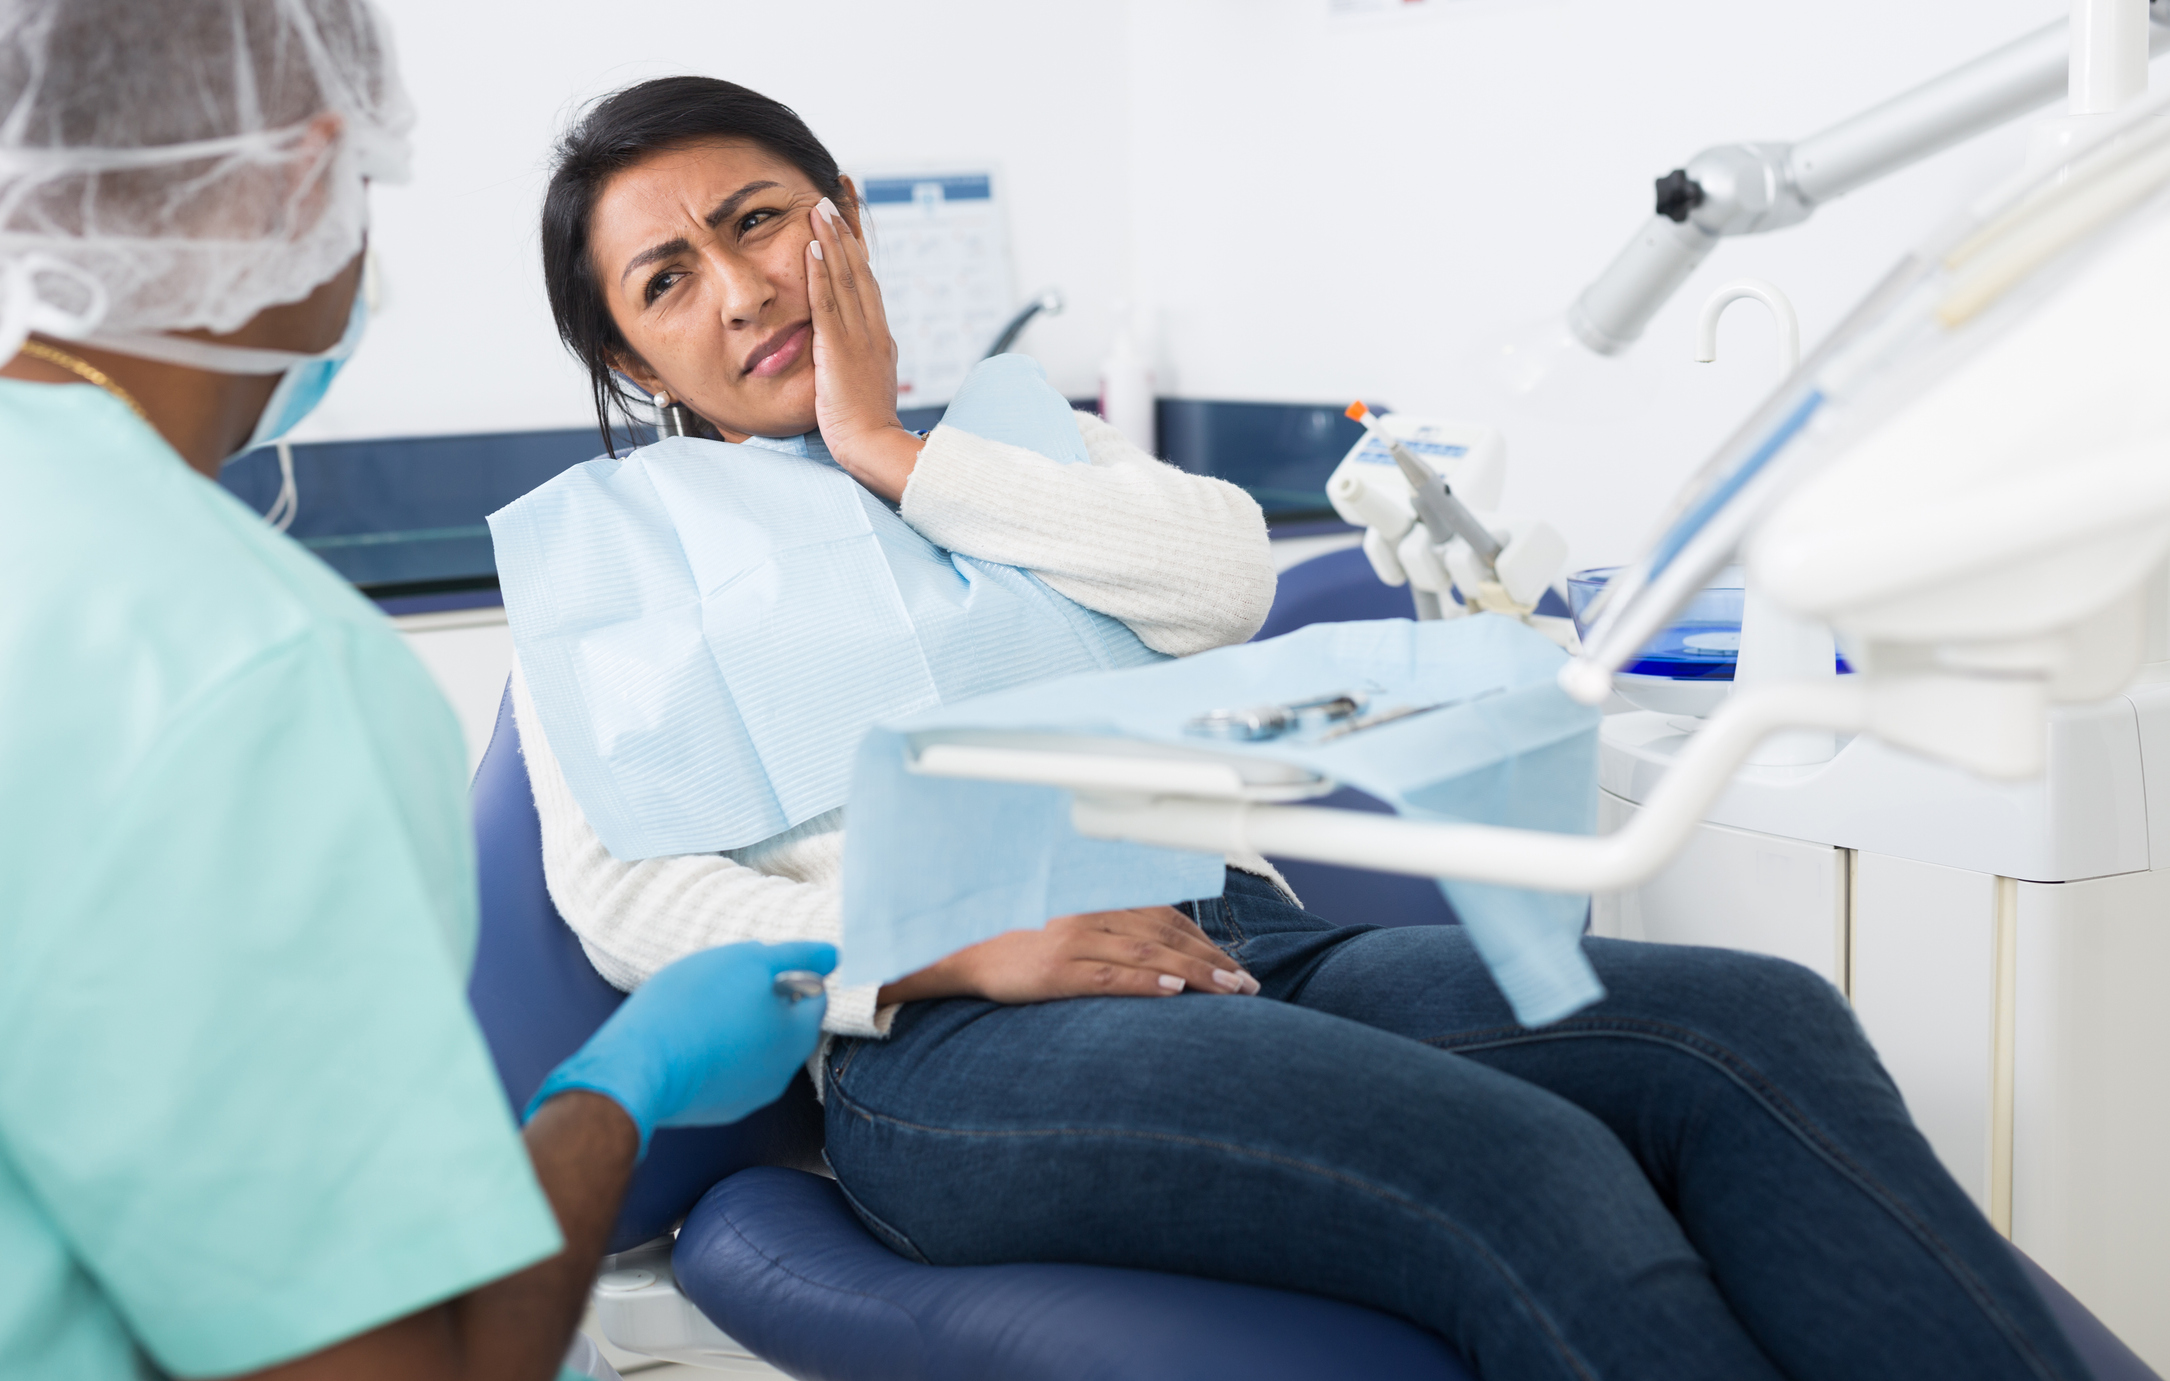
x,y
1454,471
1750,188
1399,712
1272,721
1444,516
681,1053
797,985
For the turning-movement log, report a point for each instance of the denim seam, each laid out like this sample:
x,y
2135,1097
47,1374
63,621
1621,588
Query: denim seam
x,y
838,1067
1752,1081
882,1226
1236,938
1399,1201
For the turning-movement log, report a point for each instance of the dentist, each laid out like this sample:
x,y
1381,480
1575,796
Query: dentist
x,y
247,1122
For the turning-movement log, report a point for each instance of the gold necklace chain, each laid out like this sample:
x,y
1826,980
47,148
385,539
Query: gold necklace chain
x,y
39,350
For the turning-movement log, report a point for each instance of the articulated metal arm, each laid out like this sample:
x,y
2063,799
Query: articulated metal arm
x,y
1744,189
1546,862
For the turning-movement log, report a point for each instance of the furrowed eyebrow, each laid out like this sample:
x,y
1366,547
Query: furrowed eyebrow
x,y
653,253
725,209
730,204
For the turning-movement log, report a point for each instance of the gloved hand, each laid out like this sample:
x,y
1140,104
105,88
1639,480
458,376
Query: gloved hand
x,y
704,1042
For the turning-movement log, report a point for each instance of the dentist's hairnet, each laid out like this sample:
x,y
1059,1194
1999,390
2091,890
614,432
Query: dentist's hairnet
x,y
185,163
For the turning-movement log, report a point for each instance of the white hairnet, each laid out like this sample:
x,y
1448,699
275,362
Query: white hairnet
x,y
167,164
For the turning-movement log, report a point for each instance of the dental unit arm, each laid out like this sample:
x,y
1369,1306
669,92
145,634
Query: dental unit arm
x,y
1417,489
1970,481
1749,188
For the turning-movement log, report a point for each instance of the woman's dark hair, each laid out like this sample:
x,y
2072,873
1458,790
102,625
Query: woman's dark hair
x,y
616,132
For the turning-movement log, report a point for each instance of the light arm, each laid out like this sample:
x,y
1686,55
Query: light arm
x,y
1743,189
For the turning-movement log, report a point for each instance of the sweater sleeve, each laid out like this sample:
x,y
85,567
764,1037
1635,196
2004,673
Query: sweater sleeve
x,y
1182,559
635,918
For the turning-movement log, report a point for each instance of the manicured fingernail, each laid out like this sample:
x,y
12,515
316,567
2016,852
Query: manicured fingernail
x,y
1229,980
1171,983
1250,985
817,248
828,208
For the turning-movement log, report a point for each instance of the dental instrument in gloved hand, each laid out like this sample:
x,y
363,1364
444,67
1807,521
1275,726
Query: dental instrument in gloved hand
x,y
1444,516
706,1041
797,985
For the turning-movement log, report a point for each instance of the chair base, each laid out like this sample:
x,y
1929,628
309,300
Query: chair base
x,y
639,1308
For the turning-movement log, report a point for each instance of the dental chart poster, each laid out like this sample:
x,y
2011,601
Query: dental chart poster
x,y
943,259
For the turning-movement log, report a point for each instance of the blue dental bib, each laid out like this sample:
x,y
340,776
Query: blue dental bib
x,y
709,630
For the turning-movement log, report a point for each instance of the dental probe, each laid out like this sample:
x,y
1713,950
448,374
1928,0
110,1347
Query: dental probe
x,y
1444,516
797,984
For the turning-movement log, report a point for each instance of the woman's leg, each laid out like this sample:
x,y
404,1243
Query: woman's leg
x,y
1748,1094
1250,1139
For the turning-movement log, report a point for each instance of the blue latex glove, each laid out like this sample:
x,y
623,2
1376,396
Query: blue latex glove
x,y
704,1042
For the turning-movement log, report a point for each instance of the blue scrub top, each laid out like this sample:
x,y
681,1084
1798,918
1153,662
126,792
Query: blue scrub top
x,y
245,1111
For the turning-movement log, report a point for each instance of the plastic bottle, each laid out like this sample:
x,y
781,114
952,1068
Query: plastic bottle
x,y
1126,386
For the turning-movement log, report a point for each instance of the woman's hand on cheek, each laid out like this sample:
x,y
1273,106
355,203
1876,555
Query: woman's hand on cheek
x,y
855,361
1151,951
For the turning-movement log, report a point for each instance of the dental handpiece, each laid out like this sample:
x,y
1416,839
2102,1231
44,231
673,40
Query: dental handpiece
x,y
797,985
1444,516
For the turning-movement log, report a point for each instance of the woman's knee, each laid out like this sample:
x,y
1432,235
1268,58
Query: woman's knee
x,y
1760,1017
1722,985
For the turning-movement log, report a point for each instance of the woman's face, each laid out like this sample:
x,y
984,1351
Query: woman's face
x,y
701,256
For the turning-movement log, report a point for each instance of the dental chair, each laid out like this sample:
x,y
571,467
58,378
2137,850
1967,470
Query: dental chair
x,y
773,1262
769,1262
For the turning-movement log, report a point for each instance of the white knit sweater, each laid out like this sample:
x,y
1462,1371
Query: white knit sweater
x,y
1182,559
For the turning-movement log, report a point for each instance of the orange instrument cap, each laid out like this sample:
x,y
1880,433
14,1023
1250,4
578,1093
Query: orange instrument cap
x,y
1356,410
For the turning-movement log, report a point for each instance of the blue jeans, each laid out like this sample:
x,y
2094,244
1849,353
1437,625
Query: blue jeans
x,y
1706,1175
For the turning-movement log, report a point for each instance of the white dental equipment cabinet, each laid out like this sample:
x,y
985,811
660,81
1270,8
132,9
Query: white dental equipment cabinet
x,y
1970,483
2004,945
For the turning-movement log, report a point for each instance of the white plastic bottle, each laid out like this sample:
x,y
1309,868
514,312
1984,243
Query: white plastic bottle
x,y
1126,386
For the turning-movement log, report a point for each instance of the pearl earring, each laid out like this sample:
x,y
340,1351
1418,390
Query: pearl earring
x,y
672,419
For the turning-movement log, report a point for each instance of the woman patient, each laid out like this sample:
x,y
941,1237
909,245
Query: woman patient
x,y
1707,1174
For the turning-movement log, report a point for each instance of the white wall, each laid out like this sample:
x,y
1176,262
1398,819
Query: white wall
x,y
1316,207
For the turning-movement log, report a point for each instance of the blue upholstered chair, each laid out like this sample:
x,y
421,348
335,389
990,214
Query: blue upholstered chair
x,y
777,1260
775,1257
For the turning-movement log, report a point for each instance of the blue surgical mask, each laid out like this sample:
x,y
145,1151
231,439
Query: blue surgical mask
x,y
304,379
305,383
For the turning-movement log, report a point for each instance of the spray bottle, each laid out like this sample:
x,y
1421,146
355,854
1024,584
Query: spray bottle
x,y
1126,385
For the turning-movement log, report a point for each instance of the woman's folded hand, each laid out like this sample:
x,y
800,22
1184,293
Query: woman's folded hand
x,y
1149,951
855,360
